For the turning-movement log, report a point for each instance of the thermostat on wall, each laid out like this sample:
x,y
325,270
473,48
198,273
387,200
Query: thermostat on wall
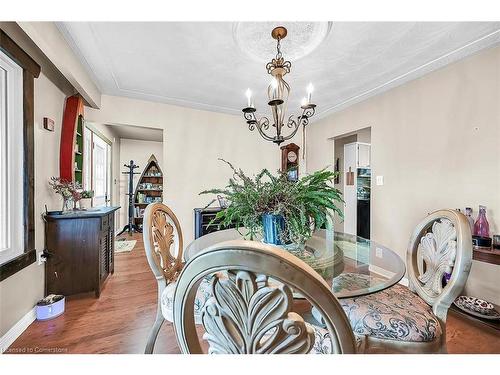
x,y
48,124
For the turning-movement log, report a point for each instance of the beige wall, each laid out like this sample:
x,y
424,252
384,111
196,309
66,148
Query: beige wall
x,y
139,152
193,140
20,292
436,142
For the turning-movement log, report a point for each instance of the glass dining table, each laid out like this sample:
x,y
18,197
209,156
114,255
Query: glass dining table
x,y
351,265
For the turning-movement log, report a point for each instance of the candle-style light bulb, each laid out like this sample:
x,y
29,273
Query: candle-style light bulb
x,y
248,94
274,87
303,102
310,89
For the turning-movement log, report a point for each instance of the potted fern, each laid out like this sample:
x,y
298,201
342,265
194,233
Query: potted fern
x,y
281,211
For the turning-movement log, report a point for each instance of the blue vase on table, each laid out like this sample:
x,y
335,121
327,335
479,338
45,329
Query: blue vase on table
x,y
273,226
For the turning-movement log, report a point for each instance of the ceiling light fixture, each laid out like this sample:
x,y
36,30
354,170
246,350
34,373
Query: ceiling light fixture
x,y
278,92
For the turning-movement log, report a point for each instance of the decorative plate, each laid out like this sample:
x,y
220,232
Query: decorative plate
x,y
477,307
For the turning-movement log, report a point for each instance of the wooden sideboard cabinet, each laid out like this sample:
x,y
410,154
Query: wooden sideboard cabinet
x,y
79,250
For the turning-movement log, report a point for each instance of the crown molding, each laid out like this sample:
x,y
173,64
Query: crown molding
x,y
488,41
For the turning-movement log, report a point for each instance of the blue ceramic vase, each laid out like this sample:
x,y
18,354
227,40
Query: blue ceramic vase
x,y
273,226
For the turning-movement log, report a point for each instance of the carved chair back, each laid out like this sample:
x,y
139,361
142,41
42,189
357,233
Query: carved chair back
x,y
249,314
440,246
163,242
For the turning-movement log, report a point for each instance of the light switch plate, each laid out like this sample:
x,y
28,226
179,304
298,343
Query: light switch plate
x,y
379,252
380,180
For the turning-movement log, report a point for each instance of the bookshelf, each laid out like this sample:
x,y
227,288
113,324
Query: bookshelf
x,y
149,189
71,151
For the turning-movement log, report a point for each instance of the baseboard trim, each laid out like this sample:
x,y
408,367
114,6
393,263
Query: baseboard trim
x,y
16,330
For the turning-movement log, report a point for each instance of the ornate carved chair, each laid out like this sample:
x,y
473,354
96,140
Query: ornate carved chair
x,y
164,250
248,314
413,320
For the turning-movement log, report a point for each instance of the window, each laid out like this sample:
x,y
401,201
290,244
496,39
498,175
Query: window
x,y
97,166
11,160
17,162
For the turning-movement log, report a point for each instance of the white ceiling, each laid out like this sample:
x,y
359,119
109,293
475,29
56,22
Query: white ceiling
x,y
206,65
138,133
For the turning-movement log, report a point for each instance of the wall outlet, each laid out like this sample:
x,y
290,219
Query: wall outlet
x,y
379,252
380,180
40,258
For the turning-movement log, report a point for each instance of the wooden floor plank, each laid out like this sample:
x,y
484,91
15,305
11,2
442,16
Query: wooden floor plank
x,y
120,320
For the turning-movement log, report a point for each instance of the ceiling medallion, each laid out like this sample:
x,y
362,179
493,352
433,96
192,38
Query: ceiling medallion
x,y
278,92
304,38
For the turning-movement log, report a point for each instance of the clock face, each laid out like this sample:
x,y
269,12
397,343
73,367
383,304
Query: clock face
x,y
292,157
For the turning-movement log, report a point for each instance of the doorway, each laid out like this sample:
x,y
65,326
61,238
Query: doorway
x,y
352,160
97,166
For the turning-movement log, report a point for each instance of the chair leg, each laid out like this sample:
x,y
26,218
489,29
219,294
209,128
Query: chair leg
x,y
154,334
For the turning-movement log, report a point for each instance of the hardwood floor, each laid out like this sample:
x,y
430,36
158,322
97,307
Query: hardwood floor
x,y
120,320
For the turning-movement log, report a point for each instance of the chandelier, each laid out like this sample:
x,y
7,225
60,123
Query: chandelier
x,y
278,93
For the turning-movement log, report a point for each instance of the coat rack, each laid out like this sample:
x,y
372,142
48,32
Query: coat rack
x,y
130,227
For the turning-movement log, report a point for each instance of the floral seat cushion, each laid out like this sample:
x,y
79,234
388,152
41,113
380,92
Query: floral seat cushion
x,y
395,313
322,342
202,295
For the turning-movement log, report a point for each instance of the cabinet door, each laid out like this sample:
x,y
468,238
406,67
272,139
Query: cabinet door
x,y
103,256
363,155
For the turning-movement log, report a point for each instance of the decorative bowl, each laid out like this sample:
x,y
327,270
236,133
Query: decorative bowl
x,y
477,307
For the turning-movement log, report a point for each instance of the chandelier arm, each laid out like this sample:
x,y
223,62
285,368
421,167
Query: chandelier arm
x,y
263,124
250,117
303,120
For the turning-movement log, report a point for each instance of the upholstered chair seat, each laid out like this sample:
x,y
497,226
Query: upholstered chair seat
x,y
394,314
323,343
167,300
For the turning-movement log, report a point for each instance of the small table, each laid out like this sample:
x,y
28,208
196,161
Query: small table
x,y
352,266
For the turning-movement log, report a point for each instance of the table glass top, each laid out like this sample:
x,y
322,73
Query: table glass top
x,y
352,266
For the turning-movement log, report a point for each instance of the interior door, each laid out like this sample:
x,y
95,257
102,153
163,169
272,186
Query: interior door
x,y
100,171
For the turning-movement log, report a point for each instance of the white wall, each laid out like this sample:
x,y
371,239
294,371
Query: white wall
x,y
193,140
436,142
139,152
20,292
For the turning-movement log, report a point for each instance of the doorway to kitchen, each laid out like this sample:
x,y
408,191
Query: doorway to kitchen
x,y
352,159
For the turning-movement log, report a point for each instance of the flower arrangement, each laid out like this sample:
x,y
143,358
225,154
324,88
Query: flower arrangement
x,y
63,187
303,205
69,190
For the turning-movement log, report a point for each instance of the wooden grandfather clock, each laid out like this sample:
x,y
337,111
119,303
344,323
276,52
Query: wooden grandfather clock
x,y
290,161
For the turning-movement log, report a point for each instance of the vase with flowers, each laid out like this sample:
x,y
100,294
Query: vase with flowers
x,y
69,191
